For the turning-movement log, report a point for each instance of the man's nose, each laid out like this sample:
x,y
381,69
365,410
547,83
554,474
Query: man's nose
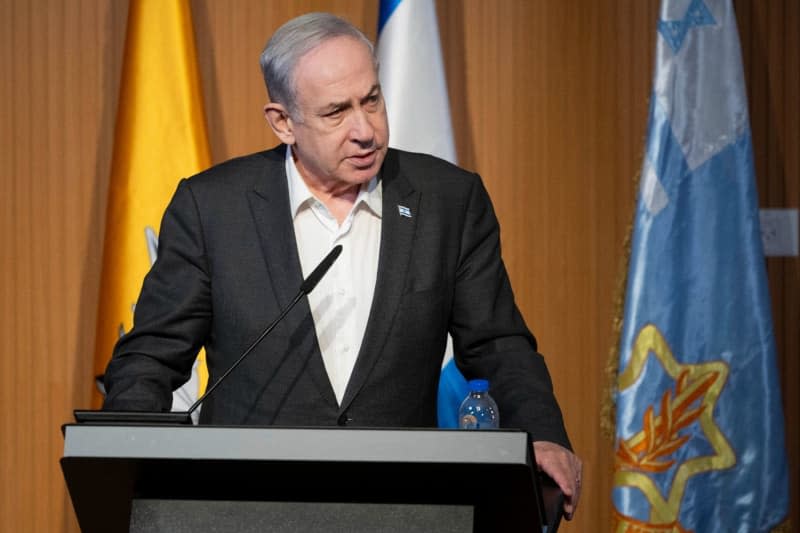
x,y
361,129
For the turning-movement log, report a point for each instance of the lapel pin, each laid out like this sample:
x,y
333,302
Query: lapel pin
x,y
404,211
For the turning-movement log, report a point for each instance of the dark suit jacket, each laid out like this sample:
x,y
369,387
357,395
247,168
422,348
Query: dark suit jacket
x,y
228,262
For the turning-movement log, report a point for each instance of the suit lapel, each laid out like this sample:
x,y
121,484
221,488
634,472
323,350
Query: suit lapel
x,y
269,203
397,236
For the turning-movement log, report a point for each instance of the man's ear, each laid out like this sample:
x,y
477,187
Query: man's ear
x,y
280,122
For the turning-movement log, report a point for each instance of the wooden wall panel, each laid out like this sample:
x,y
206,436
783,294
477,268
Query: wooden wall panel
x,y
549,100
57,103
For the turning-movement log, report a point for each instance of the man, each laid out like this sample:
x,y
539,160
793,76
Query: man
x,y
420,258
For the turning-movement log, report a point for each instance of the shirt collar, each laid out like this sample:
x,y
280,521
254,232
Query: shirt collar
x,y
371,192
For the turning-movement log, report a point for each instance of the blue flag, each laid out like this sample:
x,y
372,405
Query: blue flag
x,y
700,440
414,85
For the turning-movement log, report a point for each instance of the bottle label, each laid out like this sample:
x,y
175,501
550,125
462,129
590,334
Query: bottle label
x,y
469,422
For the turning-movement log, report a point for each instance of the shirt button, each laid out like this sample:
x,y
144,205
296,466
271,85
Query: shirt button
x,y
340,292
345,348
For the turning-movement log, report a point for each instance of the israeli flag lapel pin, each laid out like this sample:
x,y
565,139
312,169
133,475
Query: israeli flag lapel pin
x,y
404,211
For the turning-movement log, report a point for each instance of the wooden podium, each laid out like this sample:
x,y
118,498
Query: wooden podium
x,y
144,478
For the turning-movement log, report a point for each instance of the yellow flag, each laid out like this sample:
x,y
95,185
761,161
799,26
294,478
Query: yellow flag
x,y
160,137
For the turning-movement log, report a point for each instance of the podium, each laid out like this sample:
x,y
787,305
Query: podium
x,y
157,478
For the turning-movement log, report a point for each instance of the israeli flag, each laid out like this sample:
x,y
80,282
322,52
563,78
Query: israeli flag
x,y
415,88
413,79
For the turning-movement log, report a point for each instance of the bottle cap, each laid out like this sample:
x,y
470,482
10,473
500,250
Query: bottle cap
x,y
478,385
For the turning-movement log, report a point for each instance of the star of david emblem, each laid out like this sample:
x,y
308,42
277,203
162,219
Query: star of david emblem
x,y
653,448
674,31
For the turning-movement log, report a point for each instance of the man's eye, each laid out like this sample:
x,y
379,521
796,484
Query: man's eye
x,y
334,114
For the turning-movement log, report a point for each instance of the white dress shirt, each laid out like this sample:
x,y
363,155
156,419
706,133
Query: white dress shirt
x,y
341,302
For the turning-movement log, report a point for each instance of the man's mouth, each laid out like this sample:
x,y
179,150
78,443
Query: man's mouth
x,y
364,160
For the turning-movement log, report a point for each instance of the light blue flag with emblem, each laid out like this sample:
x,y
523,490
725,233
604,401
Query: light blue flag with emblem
x,y
700,440
415,88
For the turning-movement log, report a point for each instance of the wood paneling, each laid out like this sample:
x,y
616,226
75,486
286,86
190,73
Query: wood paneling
x,y
58,100
549,100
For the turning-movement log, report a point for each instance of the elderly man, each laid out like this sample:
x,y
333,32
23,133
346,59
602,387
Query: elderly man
x,y
421,258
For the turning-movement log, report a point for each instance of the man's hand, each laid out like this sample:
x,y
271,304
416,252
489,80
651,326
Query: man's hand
x,y
565,468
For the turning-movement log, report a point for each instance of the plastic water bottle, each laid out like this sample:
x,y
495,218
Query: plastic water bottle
x,y
478,410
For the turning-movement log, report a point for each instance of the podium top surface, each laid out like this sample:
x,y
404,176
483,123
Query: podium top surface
x,y
296,444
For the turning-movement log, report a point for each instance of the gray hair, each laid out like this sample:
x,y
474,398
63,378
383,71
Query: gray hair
x,y
291,42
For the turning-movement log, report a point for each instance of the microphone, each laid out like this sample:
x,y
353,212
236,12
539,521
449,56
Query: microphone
x,y
111,417
305,288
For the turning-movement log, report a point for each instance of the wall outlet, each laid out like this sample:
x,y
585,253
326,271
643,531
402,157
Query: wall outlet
x,y
779,231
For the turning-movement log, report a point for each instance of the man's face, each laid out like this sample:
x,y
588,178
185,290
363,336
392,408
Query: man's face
x,y
341,134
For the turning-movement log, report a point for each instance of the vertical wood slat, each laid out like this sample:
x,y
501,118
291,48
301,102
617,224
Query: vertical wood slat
x,y
549,101
789,313
7,259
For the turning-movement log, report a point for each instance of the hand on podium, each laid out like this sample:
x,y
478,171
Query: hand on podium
x,y
565,468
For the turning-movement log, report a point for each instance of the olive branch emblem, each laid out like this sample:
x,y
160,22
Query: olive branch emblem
x,y
661,436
